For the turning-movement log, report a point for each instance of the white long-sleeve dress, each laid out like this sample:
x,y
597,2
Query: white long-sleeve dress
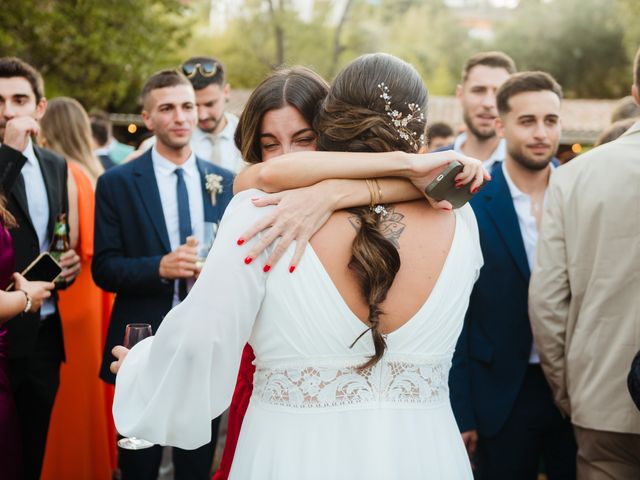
x,y
312,415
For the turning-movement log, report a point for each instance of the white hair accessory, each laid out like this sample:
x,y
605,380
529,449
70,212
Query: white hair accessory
x,y
401,121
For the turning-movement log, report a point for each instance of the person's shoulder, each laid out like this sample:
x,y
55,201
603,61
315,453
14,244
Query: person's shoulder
x,y
125,170
232,118
50,156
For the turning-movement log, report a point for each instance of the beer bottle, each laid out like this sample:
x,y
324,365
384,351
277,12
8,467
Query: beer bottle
x,y
60,241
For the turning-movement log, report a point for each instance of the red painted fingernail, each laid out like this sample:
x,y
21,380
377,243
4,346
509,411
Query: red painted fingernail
x,y
292,268
459,186
266,268
248,260
474,189
240,241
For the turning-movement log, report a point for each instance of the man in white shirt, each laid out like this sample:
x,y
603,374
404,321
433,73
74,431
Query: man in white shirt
x,y
150,219
499,394
36,346
482,75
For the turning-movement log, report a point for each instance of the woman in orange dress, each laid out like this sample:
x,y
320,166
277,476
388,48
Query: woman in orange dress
x,y
81,441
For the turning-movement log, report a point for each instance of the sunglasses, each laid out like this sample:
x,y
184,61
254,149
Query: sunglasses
x,y
206,69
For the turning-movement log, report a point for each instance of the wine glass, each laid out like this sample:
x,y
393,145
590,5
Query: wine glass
x,y
208,236
133,334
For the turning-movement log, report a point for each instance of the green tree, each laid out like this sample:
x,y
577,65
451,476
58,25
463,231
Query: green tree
x,y
580,42
98,51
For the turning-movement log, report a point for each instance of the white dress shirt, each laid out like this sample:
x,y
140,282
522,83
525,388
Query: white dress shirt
x,y
38,209
230,156
528,229
498,154
167,181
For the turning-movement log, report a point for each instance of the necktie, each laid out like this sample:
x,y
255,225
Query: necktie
x,y
216,158
184,221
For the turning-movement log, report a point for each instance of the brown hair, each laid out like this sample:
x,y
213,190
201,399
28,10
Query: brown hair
x,y
298,87
624,108
614,130
6,218
525,82
66,130
15,67
439,130
162,79
355,118
101,127
489,59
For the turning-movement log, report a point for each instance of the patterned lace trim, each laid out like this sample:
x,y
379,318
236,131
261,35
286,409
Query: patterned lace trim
x,y
324,387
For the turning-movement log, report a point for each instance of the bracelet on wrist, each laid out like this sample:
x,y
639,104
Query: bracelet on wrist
x,y
28,303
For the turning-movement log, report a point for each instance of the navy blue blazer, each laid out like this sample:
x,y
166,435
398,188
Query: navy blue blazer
x,y
492,353
131,237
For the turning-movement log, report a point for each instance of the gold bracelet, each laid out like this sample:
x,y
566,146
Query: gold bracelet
x,y
372,202
379,190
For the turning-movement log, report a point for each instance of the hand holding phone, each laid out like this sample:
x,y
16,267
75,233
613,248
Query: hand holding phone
x,y
37,292
43,269
444,187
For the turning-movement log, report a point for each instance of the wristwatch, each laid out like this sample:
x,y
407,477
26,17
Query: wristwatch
x,y
27,307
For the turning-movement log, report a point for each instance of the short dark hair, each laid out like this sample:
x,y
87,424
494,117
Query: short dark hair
x,y
439,130
101,127
493,59
162,79
299,87
199,81
525,82
15,67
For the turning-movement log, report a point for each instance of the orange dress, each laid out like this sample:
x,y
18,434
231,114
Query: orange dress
x,y
81,441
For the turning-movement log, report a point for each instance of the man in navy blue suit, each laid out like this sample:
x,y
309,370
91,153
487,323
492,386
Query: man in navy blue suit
x,y
499,395
150,213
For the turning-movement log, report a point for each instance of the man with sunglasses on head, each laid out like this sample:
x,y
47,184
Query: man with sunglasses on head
x,y
213,138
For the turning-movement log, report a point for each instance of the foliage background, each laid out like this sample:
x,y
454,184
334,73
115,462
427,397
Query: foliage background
x,y
100,51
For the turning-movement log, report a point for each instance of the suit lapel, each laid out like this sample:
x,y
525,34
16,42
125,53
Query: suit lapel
x,y
499,207
20,196
49,175
145,180
211,212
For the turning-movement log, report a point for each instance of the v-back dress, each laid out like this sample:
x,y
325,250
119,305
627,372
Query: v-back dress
x,y
313,414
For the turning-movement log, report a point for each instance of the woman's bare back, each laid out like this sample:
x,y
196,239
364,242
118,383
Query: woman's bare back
x,y
423,237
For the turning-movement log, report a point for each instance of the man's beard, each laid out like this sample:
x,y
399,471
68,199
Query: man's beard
x,y
215,125
480,135
530,163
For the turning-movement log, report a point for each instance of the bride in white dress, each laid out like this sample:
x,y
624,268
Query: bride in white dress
x,y
402,276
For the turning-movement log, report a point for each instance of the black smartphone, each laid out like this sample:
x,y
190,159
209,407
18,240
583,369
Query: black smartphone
x,y
44,268
443,187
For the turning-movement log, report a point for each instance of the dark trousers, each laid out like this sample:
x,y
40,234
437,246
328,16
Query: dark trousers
x,y
35,380
188,464
535,429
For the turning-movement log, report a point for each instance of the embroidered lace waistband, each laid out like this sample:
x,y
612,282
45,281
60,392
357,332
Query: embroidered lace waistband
x,y
388,382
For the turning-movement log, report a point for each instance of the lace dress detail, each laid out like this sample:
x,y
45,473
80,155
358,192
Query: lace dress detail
x,y
388,382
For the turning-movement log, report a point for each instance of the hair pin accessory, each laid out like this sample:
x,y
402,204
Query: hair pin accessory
x,y
400,121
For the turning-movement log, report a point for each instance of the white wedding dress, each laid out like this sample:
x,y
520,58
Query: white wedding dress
x,y
312,414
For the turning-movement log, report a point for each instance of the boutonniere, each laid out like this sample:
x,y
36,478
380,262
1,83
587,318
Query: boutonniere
x,y
213,183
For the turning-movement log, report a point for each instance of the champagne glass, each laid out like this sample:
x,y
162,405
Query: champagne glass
x,y
133,334
208,236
